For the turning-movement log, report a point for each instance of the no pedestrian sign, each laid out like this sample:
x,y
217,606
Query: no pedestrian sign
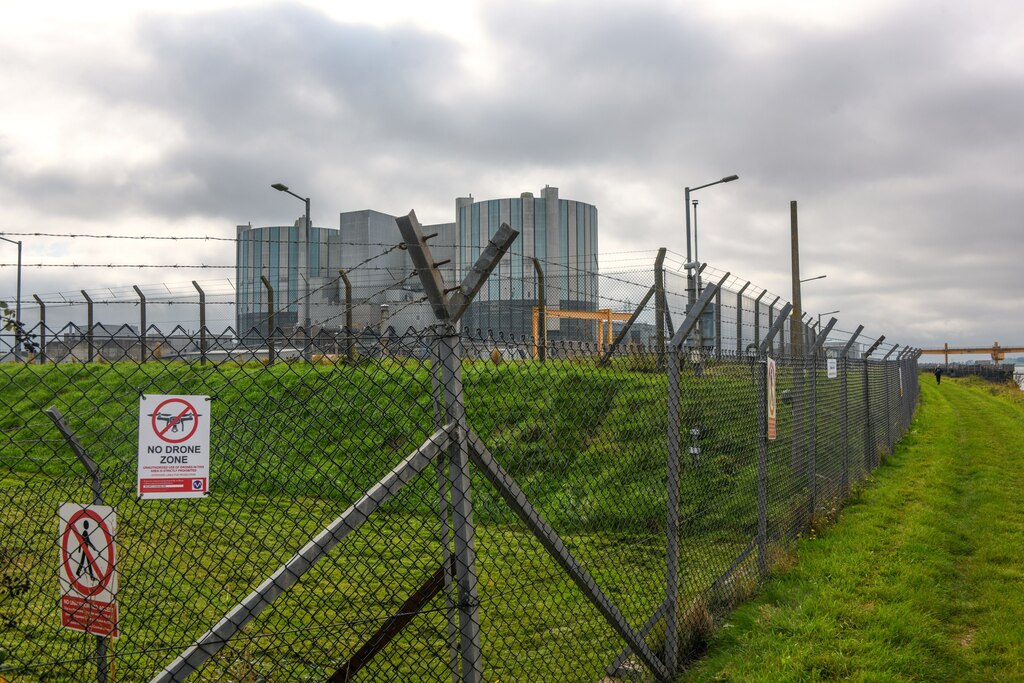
x,y
88,569
174,446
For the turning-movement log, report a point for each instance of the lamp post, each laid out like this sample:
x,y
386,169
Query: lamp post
x,y
686,205
17,304
304,308
696,250
820,315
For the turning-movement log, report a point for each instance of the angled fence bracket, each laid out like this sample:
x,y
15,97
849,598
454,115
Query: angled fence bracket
x,y
96,483
625,328
211,642
509,490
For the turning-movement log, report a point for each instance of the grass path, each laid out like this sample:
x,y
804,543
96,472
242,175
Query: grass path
x,y
922,578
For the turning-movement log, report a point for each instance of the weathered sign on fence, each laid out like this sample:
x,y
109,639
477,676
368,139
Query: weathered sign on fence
x,y
88,569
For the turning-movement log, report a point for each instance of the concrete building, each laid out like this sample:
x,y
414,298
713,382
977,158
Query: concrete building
x,y
277,253
561,234
364,246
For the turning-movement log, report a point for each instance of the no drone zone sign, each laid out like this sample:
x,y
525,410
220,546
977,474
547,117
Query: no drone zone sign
x,y
174,446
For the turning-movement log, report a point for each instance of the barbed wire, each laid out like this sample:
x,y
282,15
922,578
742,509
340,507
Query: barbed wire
x,y
168,266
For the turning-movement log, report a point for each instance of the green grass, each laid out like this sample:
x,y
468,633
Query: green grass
x,y
293,445
920,580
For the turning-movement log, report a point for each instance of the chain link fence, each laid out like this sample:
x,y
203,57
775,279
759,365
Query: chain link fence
x,y
580,502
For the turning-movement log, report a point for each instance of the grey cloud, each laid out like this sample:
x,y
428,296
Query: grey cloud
x,y
906,158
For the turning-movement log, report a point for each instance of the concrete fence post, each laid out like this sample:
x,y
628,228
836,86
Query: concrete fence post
x,y
89,339
202,323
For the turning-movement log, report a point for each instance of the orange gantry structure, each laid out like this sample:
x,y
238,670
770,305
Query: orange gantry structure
x,y
604,318
997,352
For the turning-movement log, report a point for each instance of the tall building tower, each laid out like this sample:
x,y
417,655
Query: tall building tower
x,y
275,253
560,233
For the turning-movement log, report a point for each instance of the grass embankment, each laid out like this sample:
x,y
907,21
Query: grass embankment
x,y
923,576
293,445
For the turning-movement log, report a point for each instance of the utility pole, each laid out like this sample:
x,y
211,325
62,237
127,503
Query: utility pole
x,y
796,334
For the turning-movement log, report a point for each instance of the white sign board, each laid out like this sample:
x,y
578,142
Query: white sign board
x,y
832,366
772,408
174,446
88,569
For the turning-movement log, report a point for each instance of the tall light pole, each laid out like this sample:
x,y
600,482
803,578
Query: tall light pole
x,y
304,267
686,206
696,249
820,315
17,304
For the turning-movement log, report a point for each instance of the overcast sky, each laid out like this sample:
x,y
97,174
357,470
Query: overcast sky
x,y
896,125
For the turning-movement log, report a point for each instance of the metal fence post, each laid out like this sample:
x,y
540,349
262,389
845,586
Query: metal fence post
x,y
869,447
887,387
844,436
142,322
42,329
771,323
815,356
445,511
675,428
757,318
739,320
659,305
96,483
672,523
718,324
812,436
762,442
89,325
350,348
202,323
462,511
542,322
448,310
271,326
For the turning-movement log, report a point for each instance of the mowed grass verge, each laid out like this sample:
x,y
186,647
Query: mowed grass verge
x,y
922,578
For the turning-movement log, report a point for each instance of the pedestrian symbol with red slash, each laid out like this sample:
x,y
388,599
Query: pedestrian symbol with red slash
x,y
88,569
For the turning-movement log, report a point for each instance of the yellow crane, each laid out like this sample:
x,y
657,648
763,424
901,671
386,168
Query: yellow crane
x,y
997,352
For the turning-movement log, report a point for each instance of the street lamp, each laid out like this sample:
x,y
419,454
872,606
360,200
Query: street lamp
x,y
17,304
305,274
820,315
686,206
696,250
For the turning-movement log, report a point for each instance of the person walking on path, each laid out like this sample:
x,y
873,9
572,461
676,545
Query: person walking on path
x,y
938,374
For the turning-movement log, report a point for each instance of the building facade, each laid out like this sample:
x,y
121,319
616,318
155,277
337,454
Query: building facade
x,y
384,292
278,253
561,234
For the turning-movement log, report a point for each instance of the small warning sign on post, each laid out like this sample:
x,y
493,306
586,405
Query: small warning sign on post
x,y
772,410
174,446
88,569
832,368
